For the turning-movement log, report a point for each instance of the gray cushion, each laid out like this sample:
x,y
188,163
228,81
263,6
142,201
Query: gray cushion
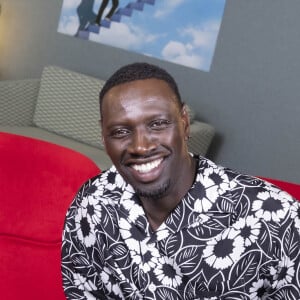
x,y
17,101
67,104
201,135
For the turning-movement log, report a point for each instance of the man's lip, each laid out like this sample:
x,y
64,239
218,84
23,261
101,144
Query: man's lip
x,y
147,170
130,161
147,166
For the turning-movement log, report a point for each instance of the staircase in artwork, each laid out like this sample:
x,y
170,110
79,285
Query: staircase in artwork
x,y
116,17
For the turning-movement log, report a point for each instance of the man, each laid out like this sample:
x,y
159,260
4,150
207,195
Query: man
x,y
162,223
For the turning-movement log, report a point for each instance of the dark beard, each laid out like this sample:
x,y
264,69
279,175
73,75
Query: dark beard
x,y
154,194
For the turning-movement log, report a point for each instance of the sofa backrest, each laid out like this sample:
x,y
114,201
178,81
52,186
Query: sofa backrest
x,y
67,104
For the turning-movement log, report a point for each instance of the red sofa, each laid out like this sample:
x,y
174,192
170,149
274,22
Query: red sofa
x,y
38,180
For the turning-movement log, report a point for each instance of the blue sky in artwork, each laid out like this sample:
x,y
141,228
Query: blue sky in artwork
x,y
180,31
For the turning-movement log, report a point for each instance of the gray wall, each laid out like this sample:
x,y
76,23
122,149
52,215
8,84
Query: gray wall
x,y
251,94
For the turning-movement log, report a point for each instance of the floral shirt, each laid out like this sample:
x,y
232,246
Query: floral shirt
x,y
231,237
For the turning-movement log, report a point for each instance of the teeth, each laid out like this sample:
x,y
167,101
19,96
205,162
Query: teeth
x,y
144,168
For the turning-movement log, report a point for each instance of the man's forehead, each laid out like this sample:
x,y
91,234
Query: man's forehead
x,y
137,103
146,94
144,102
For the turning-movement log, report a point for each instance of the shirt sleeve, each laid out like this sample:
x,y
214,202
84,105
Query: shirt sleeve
x,y
80,279
285,274
275,272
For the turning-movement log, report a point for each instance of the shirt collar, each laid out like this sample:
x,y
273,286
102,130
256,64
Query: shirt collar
x,y
200,204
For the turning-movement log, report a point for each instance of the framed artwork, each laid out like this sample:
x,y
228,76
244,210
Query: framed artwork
x,y
180,31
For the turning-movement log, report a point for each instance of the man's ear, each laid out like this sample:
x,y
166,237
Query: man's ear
x,y
102,138
103,142
186,121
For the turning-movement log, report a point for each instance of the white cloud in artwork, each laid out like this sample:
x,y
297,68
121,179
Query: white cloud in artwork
x,y
167,7
205,36
124,36
68,25
196,52
71,4
180,53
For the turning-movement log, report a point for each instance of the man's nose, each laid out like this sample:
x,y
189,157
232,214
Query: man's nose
x,y
141,143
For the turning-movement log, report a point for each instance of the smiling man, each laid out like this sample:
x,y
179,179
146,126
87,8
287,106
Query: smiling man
x,y
145,128
163,223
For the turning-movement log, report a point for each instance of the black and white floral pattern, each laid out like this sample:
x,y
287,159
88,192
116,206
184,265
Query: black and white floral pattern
x,y
231,237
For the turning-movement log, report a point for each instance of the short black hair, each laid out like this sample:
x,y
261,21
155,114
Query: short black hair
x,y
139,71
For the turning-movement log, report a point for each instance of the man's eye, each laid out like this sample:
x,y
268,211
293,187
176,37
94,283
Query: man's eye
x,y
120,133
159,124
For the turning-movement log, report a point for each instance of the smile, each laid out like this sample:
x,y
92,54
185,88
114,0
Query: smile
x,y
144,168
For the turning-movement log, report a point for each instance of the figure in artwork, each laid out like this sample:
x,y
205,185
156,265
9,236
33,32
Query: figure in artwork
x,y
115,4
85,14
